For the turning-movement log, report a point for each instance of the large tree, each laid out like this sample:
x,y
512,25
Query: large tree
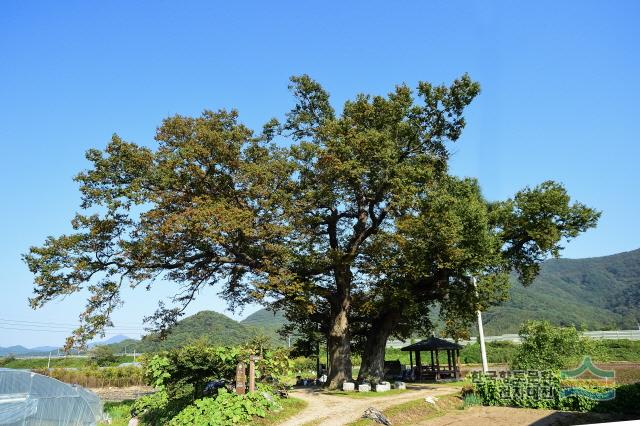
x,y
303,213
458,236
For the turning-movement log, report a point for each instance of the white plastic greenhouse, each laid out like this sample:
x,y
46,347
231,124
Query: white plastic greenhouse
x,y
28,398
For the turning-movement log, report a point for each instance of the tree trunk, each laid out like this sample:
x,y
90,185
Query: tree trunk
x,y
372,366
339,339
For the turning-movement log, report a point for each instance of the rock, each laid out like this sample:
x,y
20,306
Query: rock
x,y
383,387
375,415
364,387
267,396
348,386
400,385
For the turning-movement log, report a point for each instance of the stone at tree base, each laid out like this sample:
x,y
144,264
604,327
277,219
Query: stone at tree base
x,y
348,386
400,385
376,415
364,387
383,387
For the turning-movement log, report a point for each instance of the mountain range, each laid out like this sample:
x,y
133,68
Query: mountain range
x,y
40,350
600,293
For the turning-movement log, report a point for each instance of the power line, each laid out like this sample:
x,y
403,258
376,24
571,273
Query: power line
x,y
63,324
51,331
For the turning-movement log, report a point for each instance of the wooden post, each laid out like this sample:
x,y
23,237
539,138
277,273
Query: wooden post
x,y
433,366
241,378
418,365
252,372
437,365
411,359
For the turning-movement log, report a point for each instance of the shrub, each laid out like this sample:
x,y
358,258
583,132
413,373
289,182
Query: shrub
x,y
547,347
188,369
102,355
226,409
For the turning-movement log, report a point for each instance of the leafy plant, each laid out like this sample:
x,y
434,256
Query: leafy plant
x,y
472,399
226,409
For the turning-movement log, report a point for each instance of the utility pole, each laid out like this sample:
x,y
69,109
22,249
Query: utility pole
x,y
483,350
49,362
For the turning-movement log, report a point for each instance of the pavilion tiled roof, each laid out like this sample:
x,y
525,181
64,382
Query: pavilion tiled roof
x,y
431,344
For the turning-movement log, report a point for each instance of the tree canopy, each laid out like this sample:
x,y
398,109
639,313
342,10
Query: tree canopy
x,y
330,216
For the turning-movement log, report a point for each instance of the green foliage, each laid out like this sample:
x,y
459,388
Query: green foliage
x,y
186,370
546,347
6,360
493,391
225,409
497,352
102,355
158,408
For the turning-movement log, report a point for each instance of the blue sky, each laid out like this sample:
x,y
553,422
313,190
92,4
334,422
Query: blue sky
x,y
559,101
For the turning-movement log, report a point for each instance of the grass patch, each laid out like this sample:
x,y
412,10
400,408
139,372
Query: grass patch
x,y
290,407
412,412
364,395
120,412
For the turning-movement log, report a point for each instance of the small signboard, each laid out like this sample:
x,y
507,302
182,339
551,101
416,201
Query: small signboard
x,y
241,378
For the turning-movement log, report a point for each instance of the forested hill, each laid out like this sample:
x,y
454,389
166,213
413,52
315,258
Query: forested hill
x,y
267,321
597,293
217,328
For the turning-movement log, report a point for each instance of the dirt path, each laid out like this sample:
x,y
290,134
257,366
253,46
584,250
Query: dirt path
x,y
332,410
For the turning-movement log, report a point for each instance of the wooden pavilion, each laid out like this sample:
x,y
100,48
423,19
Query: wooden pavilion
x,y
434,371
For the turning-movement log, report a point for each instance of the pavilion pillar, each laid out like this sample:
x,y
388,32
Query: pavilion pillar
x,y
437,365
455,368
418,365
411,360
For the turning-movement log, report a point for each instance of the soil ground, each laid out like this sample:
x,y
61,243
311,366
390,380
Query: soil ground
x,y
121,394
507,416
325,409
